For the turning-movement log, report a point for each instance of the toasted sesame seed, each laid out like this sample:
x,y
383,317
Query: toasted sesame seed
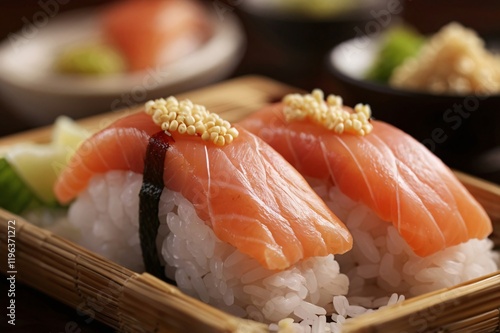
x,y
173,125
182,128
348,123
356,124
331,113
150,104
233,132
229,138
220,141
191,130
200,127
215,129
339,128
191,119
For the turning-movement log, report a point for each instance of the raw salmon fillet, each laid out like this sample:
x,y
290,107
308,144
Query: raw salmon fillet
x,y
387,170
155,32
250,196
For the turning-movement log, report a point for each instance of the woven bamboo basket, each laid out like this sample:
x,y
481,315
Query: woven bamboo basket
x,y
133,302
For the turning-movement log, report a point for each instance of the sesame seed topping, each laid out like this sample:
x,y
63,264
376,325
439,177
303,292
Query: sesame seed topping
x,y
331,113
187,118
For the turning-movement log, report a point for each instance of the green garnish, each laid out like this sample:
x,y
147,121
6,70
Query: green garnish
x,y
39,165
16,196
28,171
399,43
93,59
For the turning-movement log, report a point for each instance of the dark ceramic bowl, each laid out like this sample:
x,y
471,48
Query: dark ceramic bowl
x,y
291,47
301,33
463,130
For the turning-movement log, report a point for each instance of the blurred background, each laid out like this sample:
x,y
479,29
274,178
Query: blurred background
x,y
44,69
53,60
288,40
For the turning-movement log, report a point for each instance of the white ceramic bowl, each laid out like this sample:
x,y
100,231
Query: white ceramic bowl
x,y
38,94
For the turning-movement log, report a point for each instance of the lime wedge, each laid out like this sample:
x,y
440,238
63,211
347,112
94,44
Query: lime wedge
x,y
67,133
39,165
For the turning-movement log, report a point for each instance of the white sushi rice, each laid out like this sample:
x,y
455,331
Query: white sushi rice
x,y
107,215
381,262
202,265
313,294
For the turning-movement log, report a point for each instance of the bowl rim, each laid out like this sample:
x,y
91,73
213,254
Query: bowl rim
x,y
358,12
385,88
225,46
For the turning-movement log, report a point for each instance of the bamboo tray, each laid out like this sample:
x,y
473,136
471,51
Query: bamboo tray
x,y
133,302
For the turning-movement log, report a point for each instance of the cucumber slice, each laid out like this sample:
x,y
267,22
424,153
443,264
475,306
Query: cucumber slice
x,y
16,195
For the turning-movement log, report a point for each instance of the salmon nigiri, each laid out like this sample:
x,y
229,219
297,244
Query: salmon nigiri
x,y
386,169
155,32
373,164
220,183
249,195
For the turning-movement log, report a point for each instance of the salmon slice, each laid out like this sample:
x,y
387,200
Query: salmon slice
x,y
155,32
251,197
387,170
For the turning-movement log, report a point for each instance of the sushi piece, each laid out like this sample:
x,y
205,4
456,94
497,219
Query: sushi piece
x,y
155,32
238,226
415,227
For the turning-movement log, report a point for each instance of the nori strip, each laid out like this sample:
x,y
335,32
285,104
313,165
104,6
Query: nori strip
x,y
149,198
